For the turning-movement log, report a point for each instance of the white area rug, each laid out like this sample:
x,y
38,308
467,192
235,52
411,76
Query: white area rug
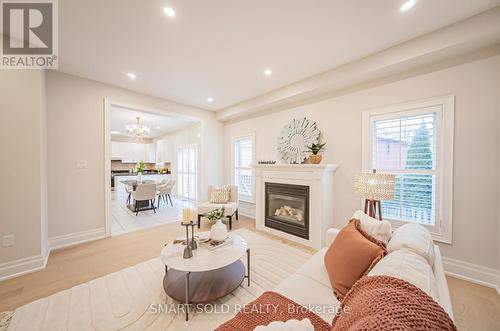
x,y
123,300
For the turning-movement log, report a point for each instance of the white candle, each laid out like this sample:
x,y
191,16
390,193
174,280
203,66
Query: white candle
x,y
185,215
194,215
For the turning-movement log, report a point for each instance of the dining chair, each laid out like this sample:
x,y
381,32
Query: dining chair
x,y
129,191
165,191
144,192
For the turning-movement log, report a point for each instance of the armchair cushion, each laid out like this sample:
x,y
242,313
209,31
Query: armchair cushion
x,y
229,208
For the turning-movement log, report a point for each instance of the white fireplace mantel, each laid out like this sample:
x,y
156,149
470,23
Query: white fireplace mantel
x,y
319,178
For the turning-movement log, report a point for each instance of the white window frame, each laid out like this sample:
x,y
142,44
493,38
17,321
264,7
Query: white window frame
x,y
181,171
442,230
243,197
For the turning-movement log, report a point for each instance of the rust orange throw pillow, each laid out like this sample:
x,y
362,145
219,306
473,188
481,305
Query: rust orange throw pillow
x,y
351,256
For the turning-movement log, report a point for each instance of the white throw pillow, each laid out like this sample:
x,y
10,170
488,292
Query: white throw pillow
x,y
290,325
380,230
414,237
410,266
220,194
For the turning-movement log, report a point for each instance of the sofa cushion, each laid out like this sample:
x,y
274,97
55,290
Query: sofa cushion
x,y
311,294
407,265
314,268
351,256
380,230
414,237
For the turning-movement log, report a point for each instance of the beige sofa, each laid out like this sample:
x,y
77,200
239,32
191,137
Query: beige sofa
x,y
310,285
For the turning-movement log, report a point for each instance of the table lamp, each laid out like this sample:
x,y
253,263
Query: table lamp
x,y
374,187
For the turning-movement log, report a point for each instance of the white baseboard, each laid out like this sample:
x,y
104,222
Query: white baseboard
x,y
22,266
30,264
473,273
76,238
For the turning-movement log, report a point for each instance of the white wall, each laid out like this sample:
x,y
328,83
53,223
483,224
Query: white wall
x,y
475,85
23,197
75,132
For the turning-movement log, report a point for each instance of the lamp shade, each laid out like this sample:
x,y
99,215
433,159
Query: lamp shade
x,y
375,186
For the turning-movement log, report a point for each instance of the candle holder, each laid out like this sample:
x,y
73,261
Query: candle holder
x,y
188,252
194,245
191,244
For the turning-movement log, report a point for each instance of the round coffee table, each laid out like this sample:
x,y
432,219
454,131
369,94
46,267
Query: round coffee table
x,y
208,275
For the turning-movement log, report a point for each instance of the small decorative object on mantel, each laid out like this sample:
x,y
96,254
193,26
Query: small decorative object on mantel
x,y
139,168
218,232
374,187
294,136
266,162
315,157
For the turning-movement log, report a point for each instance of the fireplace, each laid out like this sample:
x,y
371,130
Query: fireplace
x,y
287,208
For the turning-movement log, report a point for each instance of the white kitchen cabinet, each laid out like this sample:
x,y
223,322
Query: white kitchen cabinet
x,y
164,151
132,152
151,153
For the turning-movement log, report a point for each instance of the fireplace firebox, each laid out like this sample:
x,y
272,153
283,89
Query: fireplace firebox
x,y
287,208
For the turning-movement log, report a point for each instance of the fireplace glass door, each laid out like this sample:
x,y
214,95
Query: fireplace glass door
x,y
287,208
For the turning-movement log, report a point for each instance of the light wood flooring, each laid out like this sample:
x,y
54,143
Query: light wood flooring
x,y
475,307
124,220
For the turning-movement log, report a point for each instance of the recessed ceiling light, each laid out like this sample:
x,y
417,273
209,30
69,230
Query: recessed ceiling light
x,y
268,72
408,5
158,127
131,75
210,99
169,11
115,132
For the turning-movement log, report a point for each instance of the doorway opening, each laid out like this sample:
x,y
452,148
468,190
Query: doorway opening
x,y
152,161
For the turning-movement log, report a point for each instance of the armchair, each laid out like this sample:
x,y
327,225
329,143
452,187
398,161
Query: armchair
x,y
230,207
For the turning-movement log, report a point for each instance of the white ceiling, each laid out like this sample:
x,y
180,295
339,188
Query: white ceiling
x,y
219,48
121,117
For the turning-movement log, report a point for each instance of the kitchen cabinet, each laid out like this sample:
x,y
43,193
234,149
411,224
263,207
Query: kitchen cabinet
x,y
164,152
133,152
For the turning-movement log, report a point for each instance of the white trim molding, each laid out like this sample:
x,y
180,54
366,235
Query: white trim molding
x,y
22,266
76,238
444,108
472,273
251,135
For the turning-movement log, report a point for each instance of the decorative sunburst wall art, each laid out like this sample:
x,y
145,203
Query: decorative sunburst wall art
x,y
294,138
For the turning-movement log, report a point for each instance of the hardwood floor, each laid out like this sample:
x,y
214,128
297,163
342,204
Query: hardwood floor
x,y
475,307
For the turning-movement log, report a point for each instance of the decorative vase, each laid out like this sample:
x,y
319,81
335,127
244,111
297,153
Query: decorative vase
x,y
139,177
315,158
218,231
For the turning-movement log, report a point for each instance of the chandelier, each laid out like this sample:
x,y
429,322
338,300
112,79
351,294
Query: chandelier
x,y
137,130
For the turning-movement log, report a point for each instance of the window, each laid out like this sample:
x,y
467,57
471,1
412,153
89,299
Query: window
x,y
415,143
242,158
187,171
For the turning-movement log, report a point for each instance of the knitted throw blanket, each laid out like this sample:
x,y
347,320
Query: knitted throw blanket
x,y
271,306
388,303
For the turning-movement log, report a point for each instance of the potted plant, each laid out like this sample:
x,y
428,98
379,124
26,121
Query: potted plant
x,y
219,229
139,168
315,157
